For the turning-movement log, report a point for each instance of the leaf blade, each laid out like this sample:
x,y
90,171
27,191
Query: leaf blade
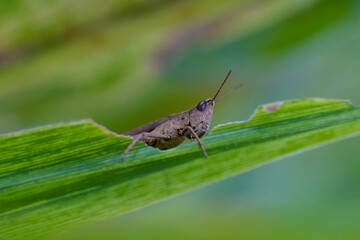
x,y
66,174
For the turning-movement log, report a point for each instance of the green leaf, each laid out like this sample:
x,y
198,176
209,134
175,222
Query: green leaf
x,y
58,176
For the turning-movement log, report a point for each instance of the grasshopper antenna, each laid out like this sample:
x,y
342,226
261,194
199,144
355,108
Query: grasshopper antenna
x,y
230,91
221,86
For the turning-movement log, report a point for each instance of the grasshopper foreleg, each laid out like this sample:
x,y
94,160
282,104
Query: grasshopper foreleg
x,y
193,133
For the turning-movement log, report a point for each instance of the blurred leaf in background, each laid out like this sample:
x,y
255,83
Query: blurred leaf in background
x,y
124,63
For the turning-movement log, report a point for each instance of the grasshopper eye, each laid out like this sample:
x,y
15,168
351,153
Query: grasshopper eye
x,y
201,106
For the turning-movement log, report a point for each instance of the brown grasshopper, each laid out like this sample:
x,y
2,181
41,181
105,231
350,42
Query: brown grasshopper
x,y
170,131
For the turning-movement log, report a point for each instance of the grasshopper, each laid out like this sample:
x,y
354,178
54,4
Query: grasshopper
x,y
168,132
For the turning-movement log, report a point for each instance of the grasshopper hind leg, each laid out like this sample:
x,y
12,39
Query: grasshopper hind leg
x,y
150,139
135,139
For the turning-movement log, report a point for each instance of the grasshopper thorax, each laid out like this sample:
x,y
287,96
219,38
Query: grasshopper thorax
x,y
200,117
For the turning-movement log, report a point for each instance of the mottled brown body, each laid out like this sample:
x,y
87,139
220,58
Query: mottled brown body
x,y
170,131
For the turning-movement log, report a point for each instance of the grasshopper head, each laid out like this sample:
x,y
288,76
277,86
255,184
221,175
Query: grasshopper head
x,y
200,116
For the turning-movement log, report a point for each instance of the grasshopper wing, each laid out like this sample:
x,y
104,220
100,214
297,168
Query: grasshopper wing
x,y
146,127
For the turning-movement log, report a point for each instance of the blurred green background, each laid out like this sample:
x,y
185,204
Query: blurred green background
x,y
124,63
